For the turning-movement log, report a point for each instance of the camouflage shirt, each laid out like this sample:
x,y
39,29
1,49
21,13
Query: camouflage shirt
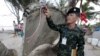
x,y
75,39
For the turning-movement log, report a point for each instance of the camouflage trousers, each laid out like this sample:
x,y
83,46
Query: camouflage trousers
x,y
64,51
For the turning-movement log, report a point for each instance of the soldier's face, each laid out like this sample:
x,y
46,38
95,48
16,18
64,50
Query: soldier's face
x,y
71,18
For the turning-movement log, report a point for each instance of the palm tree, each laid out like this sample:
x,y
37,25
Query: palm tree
x,y
96,2
86,9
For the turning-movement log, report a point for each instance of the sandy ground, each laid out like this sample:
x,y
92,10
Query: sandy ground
x,y
12,42
16,43
90,51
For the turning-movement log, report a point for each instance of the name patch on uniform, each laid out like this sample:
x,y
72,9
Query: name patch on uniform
x,y
64,40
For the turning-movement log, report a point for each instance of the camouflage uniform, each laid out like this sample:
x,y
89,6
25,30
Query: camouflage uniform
x,y
75,39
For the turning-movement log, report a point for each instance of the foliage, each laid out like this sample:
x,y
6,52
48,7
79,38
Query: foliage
x,y
23,3
87,10
98,24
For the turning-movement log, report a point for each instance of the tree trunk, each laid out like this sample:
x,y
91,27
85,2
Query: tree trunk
x,y
72,3
18,20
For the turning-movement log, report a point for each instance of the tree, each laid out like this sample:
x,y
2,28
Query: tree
x,y
23,3
95,2
86,9
73,3
15,6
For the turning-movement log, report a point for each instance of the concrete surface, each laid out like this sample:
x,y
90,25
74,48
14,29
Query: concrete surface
x,y
16,43
12,42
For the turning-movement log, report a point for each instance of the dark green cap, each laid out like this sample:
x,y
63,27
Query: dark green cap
x,y
74,10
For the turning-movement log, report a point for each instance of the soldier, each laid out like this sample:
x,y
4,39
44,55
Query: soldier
x,y
71,36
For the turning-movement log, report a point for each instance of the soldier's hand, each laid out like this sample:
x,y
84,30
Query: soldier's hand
x,y
46,11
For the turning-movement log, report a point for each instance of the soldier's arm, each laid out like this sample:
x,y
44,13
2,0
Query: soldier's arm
x,y
81,43
52,25
49,20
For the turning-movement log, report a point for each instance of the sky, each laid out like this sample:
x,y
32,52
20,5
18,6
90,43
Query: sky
x,y
7,18
5,15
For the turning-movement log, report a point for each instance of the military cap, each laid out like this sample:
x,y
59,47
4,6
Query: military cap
x,y
74,10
